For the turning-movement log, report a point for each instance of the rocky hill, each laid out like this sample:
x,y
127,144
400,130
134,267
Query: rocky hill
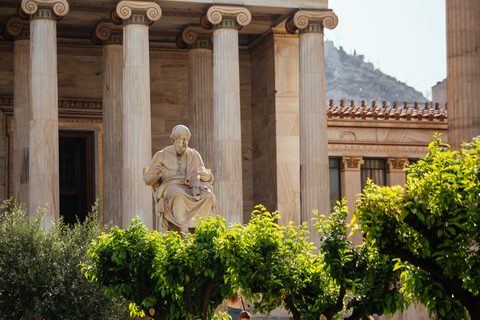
x,y
349,77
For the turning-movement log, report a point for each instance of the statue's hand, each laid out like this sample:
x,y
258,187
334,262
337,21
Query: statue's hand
x,y
204,176
159,170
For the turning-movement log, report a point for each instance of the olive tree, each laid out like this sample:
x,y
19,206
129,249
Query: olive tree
x,y
433,227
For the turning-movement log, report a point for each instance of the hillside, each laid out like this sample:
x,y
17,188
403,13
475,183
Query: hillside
x,y
350,77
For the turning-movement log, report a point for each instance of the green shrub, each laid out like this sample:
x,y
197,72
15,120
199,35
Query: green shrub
x,y
40,271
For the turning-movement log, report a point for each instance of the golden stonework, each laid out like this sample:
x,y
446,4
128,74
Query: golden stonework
x,y
351,163
215,14
151,9
59,7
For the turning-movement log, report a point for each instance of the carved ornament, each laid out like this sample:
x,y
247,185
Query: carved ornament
x,y
215,14
125,8
351,163
60,7
396,164
302,18
15,26
191,33
107,33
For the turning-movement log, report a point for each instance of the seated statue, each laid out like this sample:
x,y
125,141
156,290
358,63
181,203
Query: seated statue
x,y
182,187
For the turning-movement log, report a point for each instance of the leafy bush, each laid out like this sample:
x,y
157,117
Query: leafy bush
x,y
40,269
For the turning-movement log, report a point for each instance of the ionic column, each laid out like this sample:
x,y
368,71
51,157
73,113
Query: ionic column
x,y
351,187
396,174
227,167
111,38
43,150
463,71
200,90
314,177
137,134
20,31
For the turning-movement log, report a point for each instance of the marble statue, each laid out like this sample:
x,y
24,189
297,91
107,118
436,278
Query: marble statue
x,y
182,187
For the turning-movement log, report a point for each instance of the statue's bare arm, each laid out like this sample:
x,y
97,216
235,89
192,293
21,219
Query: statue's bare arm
x,y
155,170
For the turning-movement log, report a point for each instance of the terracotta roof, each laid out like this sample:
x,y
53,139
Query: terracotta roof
x,y
417,112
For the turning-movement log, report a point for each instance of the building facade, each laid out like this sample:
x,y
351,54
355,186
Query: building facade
x,y
90,91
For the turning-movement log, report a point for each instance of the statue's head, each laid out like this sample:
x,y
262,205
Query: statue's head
x,y
180,137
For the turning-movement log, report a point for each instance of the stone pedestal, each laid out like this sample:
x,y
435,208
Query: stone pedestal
x,y
314,175
137,135
111,37
20,30
396,174
463,76
43,150
200,91
226,103
351,187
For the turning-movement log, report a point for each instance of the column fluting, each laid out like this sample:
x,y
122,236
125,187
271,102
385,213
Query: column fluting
x,y
227,167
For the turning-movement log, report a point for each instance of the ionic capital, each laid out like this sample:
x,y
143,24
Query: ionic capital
x,y
229,16
18,28
195,37
108,33
133,12
59,7
396,165
351,163
312,21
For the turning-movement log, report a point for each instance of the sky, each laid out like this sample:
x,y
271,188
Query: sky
x,y
405,39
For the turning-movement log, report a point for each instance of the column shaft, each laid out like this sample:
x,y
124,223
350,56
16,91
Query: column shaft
x,y
351,187
314,176
22,116
137,137
43,161
227,124
463,80
200,102
112,133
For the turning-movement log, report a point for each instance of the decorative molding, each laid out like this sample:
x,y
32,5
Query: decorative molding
x,y
303,18
195,37
216,14
152,10
352,163
18,28
396,165
59,7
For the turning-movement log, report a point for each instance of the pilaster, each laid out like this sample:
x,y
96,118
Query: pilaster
x,y
43,137
200,90
396,174
137,134
20,31
226,104
314,172
351,187
111,36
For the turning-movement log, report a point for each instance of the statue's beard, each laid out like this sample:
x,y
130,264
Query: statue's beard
x,y
180,150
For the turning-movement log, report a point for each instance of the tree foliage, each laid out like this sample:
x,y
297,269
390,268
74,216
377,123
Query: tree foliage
x,y
40,270
433,228
163,275
277,265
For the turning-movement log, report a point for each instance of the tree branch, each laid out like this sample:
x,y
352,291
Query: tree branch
x,y
291,307
187,293
207,292
337,307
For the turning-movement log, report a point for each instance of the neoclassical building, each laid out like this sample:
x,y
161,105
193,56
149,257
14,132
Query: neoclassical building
x,y
89,90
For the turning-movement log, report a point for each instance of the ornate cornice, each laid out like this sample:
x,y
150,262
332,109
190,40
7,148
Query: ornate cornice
x,y
125,9
18,28
59,7
396,164
238,15
351,163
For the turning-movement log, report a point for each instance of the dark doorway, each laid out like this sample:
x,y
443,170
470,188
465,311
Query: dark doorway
x,y
77,188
